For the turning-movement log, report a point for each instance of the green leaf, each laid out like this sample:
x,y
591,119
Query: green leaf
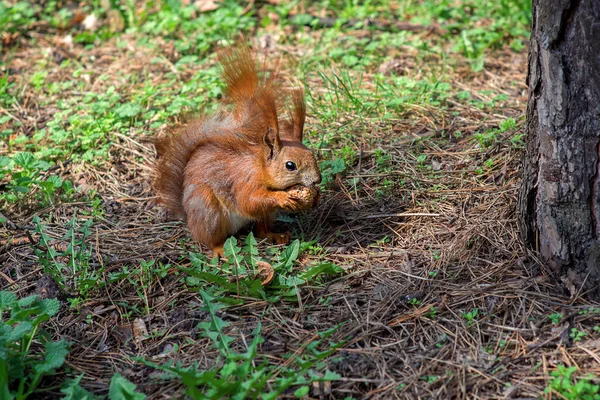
x,y
212,278
47,186
55,356
331,376
229,368
214,328
49,307
128,110
197,259
350,60
20,330
301,391
302,19
4,161
121,389
323,268
24,160
56,181
336,166
7,300
73,390
232,253
291,281
186,60
27,301
231,248
21,189
5,332
41,164
251,250
288,256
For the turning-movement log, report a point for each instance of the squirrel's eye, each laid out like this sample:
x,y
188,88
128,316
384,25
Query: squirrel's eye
x,y
290,165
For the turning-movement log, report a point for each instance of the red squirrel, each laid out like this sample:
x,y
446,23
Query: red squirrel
x,y
242,164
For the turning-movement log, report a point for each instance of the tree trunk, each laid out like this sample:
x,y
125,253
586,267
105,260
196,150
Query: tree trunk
x,y
559,199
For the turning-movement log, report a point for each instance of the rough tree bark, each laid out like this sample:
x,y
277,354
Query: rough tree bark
x,y
559,200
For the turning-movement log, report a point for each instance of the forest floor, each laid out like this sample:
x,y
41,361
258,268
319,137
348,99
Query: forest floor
x,y
409,279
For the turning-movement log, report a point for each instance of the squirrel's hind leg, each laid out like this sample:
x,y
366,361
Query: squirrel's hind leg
x,y
264,230
205,218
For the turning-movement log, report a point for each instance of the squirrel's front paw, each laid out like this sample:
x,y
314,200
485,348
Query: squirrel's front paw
x,y
290,202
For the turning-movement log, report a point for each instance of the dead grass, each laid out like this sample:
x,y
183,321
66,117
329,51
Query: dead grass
x,y
451,247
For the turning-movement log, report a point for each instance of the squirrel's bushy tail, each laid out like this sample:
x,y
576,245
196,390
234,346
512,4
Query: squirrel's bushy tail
x,y
252,91
173,151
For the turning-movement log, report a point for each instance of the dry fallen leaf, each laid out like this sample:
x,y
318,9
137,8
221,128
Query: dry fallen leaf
x,y
83,186
140,332
123,332
115,21
90,22
265,272
66,40
321,388
207,5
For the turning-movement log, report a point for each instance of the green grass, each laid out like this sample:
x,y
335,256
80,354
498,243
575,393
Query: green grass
x,y
245,374
567,386
75,276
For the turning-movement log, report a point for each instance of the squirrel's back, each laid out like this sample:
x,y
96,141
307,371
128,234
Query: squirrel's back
x,y
173,152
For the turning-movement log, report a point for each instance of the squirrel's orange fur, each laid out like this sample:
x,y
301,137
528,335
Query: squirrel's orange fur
x,y
223,171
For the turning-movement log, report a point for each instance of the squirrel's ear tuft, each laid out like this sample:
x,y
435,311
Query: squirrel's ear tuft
x,y
298,113
272,141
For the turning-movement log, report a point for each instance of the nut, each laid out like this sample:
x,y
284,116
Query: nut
x,y
308,197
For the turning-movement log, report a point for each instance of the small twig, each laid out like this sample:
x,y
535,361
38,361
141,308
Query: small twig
x,y
591,353
9,224
406,214
12,242
7,278
383,254
34,243
62,164
138,257
248,7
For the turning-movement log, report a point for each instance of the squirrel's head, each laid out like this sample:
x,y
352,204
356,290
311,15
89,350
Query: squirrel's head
x,y
289,162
